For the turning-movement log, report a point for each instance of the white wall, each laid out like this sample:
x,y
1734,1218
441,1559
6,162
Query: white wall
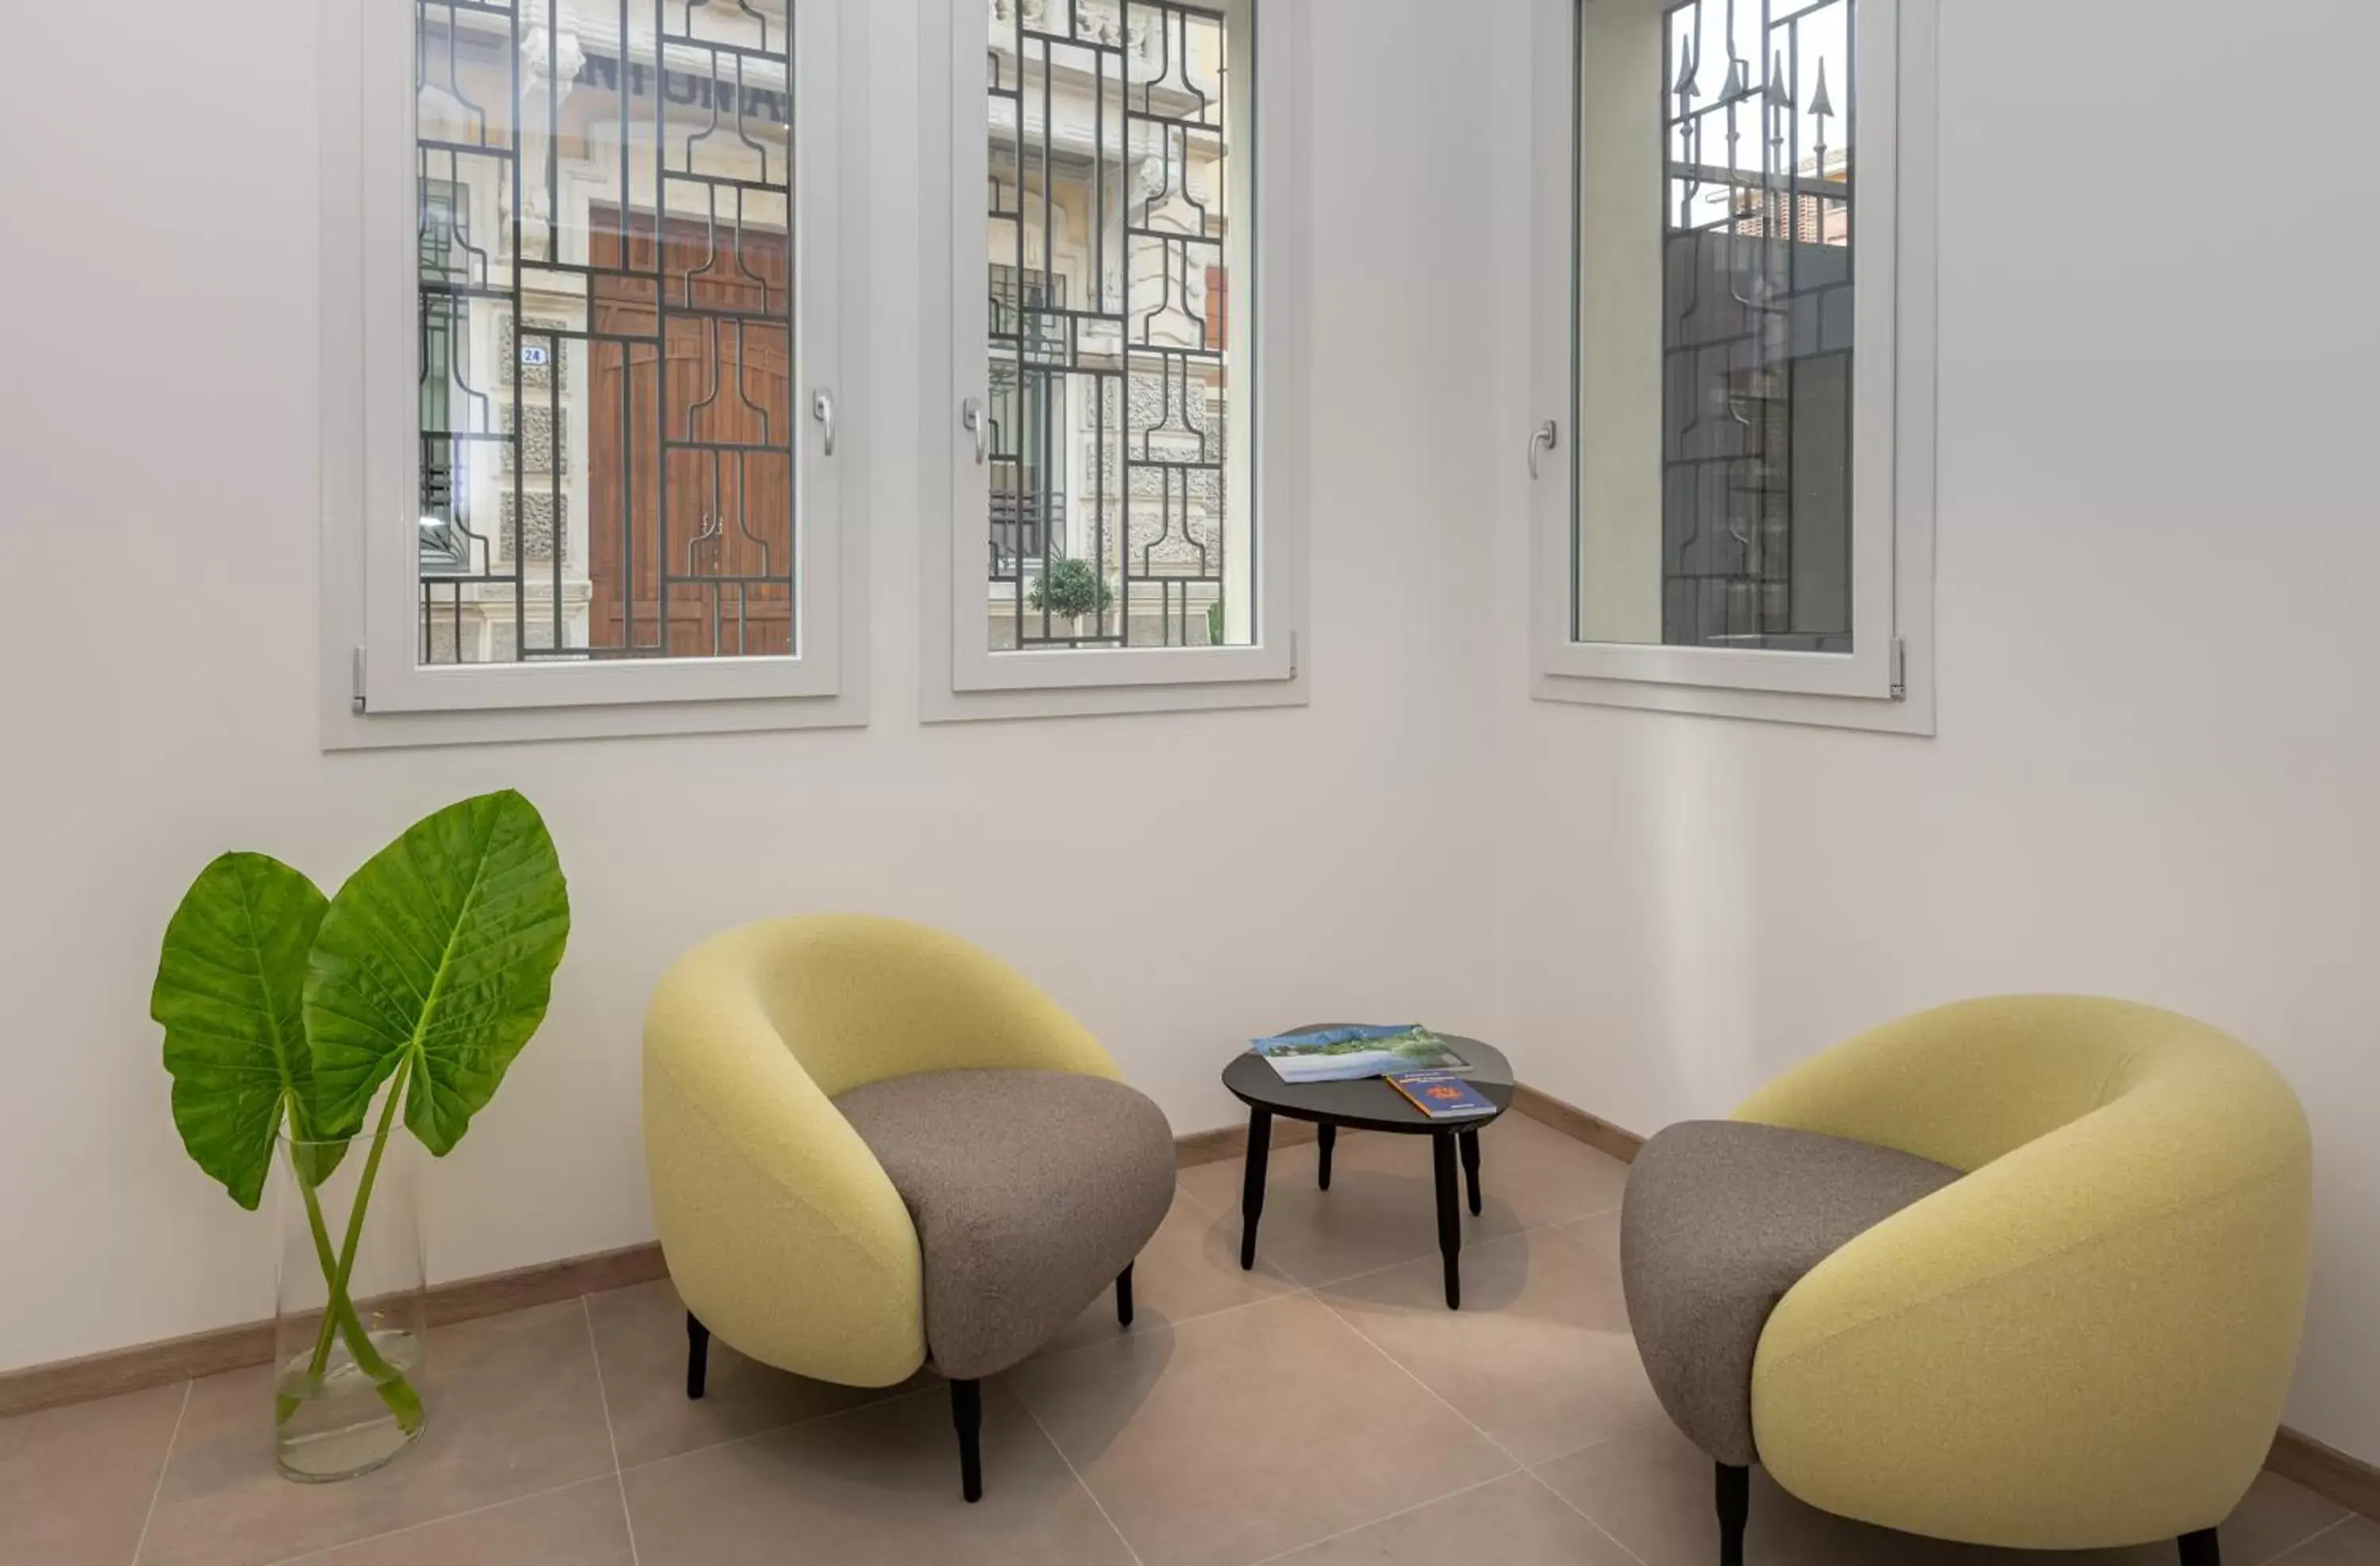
x,y
2158,770
160,625
2157,773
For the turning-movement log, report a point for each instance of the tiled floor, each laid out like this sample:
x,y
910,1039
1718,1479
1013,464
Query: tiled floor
x,y
1326,1410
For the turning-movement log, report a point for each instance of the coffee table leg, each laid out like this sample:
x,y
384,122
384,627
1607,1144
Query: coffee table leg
x,y
1330,1140
1471,1168
1449,1221
1252,1185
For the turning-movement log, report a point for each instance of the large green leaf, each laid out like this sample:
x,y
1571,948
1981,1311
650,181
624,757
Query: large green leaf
x,y
230,980
440,949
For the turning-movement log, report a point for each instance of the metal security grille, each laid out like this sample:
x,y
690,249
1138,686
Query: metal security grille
x,y
606,335
1758,329
1110,348
1029,479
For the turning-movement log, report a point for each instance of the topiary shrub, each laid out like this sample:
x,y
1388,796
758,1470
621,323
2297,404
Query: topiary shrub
x,y
1070,588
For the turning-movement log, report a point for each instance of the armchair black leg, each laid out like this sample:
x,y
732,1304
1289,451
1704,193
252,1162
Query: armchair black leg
x,y
1734,1511
2200,1548
698,1354
1124,1296
966,1413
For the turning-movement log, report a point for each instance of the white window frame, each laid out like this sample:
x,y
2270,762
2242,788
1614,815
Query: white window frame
x,y
962,678
1887,681
374,691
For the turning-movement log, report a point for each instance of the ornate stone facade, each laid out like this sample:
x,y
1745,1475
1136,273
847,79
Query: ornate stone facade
x,y
555,370
542,445
538,534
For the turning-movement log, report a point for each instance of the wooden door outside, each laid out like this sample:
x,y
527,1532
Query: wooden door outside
x,y
706,491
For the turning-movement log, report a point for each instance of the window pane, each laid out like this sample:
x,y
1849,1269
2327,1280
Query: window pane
x,y
608,430
1118,203
1714,271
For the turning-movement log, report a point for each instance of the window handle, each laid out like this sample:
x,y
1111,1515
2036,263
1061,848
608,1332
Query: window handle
x,y
822,409
1545,437
971,416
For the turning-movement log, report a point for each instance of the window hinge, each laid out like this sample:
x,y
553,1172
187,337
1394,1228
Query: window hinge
x,y
1292,655
1900,669
359,679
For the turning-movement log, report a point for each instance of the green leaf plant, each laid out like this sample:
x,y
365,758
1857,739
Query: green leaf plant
x,y
1071,588
424,976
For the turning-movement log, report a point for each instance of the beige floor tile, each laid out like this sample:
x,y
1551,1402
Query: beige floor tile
x,y
640,1344
1244,1434
1545,1176
1514,1521
583,1525
1653,1493
2274,1516
1599,1232
2277,1515
74,1482
1369,1219
876,1487
1382,1208
514,1410
1540,1356
1190,1267
2355,1542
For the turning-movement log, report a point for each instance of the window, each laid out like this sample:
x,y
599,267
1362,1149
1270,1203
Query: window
x,y
1119,513
599,329
1736,320
444,548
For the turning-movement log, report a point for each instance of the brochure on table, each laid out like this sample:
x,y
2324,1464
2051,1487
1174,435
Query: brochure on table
x,y
1348,1054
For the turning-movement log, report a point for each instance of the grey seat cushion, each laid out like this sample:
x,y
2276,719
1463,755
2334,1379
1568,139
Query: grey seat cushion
x,y
1031,1190
1722,1218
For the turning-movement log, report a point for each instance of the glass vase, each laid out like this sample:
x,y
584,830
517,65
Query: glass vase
x,y
349,1322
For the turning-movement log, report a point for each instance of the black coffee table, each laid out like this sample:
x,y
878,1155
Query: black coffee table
x,y
1369,1105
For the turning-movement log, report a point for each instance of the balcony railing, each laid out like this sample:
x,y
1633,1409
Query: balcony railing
x,y
1022,524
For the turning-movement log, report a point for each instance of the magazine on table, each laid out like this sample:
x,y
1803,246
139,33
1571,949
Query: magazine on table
x,y
1441,1095
1348,1054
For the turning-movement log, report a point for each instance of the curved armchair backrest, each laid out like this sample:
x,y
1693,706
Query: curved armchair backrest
x,y
858,999
2085,1341
781,1229
1967,1083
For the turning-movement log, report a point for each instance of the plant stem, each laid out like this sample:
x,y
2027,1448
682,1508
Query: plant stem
x,y
340,1312
346,1263
406,1404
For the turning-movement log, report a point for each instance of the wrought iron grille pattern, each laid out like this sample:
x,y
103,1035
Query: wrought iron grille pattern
x,y
1028,481
1111,245
605,284
1757,279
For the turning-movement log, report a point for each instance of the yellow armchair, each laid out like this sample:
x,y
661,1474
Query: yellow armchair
x,y
2073,1327
782,1230
2087,1340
